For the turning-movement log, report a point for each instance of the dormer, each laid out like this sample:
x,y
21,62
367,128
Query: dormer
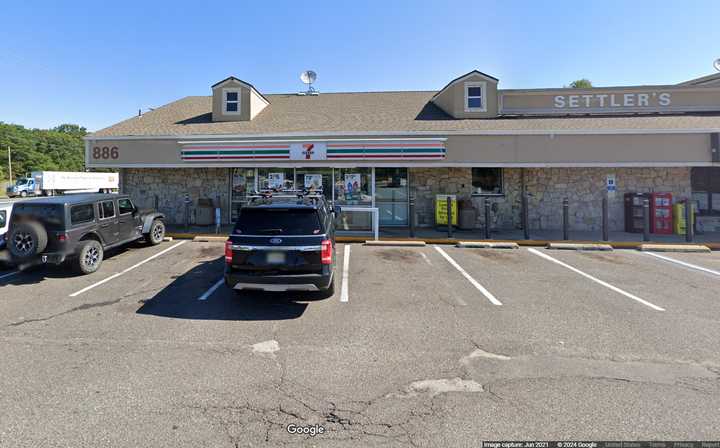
x,y
472,95
236,100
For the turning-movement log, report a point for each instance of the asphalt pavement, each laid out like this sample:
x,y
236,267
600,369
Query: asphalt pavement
x,y
431,346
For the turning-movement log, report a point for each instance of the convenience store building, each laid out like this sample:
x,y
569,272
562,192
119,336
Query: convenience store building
x,y
470,139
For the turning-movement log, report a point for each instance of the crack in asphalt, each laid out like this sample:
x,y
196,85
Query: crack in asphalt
x,y
84,306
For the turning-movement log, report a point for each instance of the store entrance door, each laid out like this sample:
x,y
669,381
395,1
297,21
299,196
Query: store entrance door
x,y
391,196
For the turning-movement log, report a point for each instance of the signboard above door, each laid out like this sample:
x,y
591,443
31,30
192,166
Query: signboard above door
x,y
340,150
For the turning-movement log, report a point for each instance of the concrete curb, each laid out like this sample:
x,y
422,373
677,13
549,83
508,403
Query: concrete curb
x,y
408,243
210,239
579,246
168,238
487,245
673,248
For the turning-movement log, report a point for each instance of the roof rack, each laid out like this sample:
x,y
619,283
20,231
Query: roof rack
x,y
270,193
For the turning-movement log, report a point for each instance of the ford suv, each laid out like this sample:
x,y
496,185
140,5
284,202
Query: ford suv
x,y
283,242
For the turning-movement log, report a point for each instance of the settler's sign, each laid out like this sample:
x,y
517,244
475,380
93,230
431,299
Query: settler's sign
x,y
610,100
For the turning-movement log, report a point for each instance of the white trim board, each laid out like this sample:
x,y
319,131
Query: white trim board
x,y
400,164
388,134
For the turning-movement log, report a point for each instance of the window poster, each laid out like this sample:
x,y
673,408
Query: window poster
x,y
276,180
352,186
313,181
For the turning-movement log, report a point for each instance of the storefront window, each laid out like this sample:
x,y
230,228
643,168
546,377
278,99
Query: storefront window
x,y
391,196
487,181
242,183
352,186
706,189
314,178
275,178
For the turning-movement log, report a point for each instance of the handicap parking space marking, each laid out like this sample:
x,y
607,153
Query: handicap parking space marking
x,y
469,278
683,263
344,295
596,280
125,271
212,290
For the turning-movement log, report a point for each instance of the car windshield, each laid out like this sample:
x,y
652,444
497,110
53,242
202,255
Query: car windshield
x,y
21,182
278,221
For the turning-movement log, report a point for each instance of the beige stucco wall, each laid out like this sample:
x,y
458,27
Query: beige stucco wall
x,y
218,113
452,100
484,150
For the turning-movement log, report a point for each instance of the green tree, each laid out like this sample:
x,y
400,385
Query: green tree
x,y
582,83
59,149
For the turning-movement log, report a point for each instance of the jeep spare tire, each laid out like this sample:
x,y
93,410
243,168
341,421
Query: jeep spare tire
x,y
27,239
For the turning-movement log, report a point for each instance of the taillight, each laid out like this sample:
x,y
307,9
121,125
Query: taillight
x,y
62,237
228,251
326,252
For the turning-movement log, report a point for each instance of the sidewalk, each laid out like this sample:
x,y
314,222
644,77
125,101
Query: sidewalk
x,y
432,235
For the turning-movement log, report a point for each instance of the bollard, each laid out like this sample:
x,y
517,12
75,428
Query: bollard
x,y
187,211
449,216
689,224
525,218
646,219
605,230
412,216
486,205
566,219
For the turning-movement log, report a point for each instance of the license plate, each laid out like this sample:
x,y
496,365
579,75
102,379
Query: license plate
x,y
276,257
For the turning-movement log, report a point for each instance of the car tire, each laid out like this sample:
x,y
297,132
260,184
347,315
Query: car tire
x,y
157,233
27,239
90,257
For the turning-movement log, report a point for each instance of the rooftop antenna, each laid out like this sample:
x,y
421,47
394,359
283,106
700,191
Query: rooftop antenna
x,y
308,77
716,64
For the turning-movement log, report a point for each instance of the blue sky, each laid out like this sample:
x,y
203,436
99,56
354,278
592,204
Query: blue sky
x,y
95,62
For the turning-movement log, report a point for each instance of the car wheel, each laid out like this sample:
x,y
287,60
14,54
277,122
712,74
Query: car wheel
x,y
27,239
157,232
90,257
23,194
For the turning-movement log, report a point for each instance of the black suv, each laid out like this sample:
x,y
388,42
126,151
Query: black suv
x,y
78,228
283,242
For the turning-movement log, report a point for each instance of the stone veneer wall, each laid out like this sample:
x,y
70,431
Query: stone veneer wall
x,y
583,187
171,185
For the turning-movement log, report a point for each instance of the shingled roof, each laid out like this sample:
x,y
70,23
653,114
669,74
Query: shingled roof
x,y
374,112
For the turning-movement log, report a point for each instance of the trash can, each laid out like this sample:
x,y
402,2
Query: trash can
x,y
205,212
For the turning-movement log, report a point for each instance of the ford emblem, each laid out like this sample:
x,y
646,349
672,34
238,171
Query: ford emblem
x,y
275,240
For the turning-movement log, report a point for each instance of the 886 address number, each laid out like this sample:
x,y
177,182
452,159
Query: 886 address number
x,y
105,152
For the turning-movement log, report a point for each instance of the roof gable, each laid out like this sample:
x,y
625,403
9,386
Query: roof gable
x,y
467,75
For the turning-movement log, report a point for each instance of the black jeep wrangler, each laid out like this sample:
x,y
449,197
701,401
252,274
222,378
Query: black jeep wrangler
x,y
283,241
78,228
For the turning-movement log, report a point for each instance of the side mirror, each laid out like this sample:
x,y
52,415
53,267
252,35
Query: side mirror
x,y
336,210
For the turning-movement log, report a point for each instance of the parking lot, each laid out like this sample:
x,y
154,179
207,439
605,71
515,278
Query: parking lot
x,y
419,346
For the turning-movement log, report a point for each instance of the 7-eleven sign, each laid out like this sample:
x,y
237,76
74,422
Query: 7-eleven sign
x,y
308,151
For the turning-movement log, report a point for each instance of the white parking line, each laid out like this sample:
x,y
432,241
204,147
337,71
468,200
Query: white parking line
x,y
9,274
596,280
94,285
212,289
345,275
682,263
474,282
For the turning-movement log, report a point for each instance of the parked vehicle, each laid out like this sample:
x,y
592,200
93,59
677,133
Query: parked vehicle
x,y
79,228
5,213
283,242
50,183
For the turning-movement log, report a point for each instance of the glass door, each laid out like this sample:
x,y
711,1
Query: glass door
x,y
391,196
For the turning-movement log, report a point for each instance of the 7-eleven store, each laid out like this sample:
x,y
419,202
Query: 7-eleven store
x,y
348,172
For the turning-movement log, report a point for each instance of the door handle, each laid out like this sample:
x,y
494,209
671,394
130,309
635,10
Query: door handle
x,y
105,225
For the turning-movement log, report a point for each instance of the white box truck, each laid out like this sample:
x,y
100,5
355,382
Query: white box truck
x,y
50,183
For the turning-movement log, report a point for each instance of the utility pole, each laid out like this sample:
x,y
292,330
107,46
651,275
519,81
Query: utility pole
x,y
10,177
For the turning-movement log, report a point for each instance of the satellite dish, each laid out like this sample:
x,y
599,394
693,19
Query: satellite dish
x,y
716,64
308,76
